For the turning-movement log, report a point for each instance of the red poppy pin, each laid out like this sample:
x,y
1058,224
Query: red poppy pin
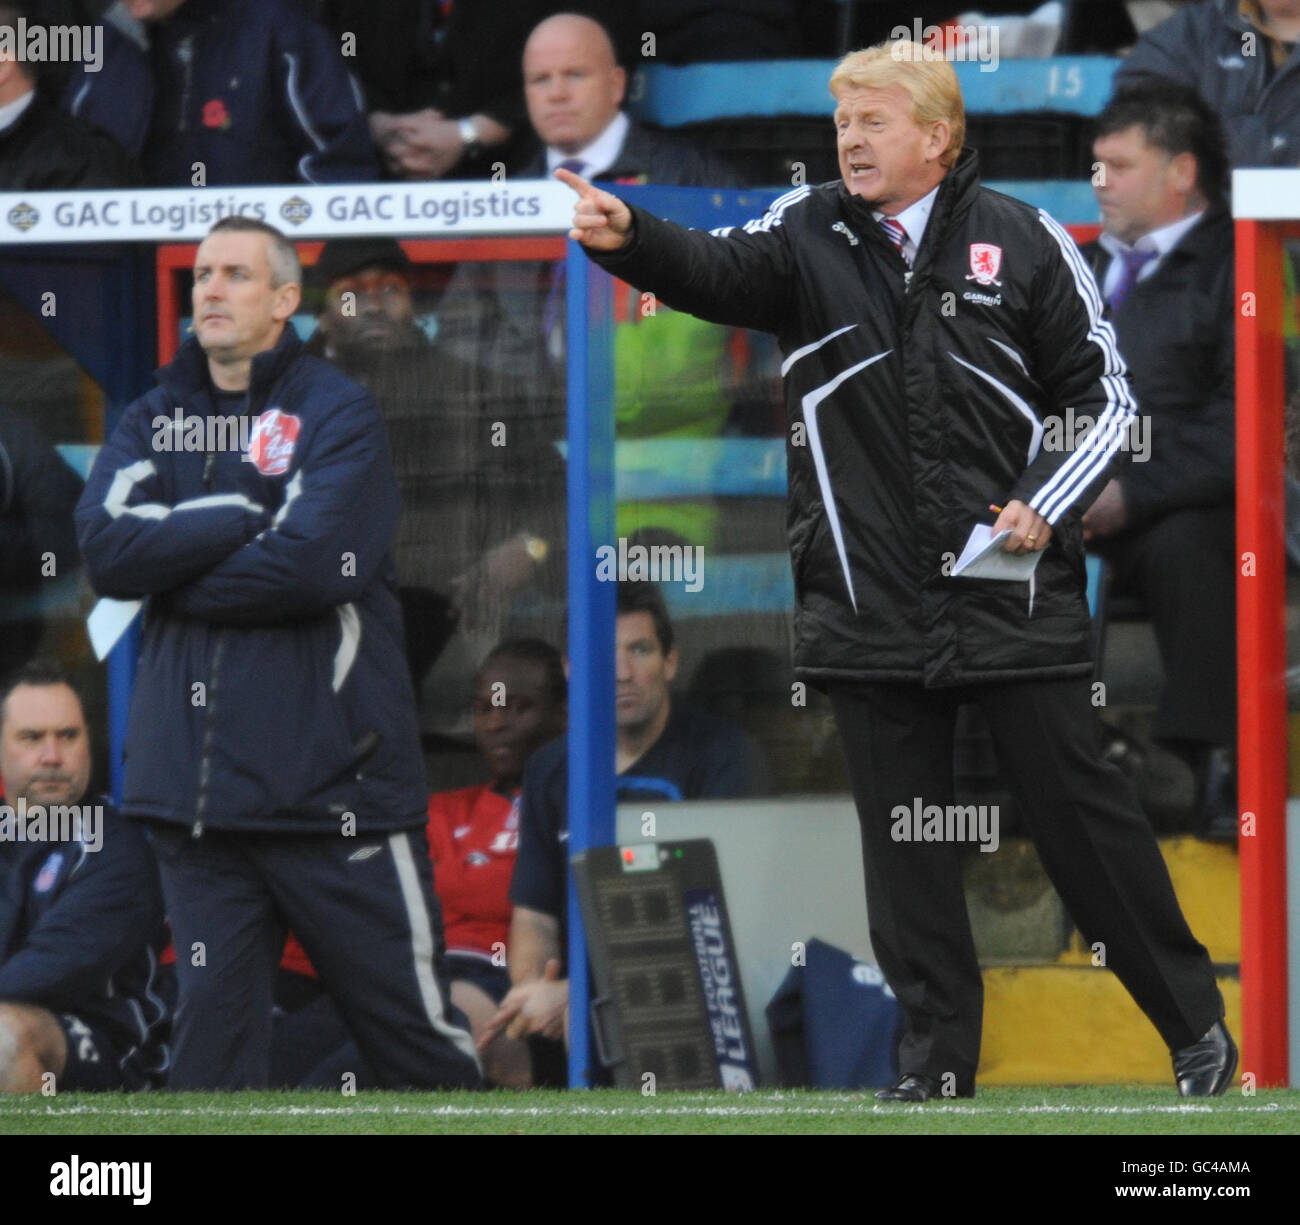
x,y
215,114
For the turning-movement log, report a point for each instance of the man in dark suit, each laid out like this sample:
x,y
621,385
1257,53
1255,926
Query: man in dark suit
x,y
509,317
574,89
41,148
1166,524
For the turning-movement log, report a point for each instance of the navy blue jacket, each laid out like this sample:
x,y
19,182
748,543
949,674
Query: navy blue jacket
x,y
272,691
253,89
80,932
698,756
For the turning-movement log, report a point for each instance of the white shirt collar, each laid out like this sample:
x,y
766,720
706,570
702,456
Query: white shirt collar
x,y
1161,241
598,156
914,218
12,111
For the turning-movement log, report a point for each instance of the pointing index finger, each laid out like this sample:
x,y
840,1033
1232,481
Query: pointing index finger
x,y
579,184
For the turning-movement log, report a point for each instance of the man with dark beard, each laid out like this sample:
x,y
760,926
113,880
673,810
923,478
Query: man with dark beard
x,y
482,500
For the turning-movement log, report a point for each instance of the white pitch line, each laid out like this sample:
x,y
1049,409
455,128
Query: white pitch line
x,y
647,1111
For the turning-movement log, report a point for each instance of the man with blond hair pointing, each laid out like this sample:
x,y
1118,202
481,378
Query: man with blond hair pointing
x,y
931,328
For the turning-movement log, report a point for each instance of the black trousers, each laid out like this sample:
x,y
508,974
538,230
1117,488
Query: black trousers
x,y
1183,567
1092,837
365,912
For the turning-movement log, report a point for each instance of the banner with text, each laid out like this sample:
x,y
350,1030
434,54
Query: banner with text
x,y
433,210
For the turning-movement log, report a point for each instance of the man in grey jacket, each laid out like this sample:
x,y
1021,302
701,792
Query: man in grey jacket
x,y
1241,57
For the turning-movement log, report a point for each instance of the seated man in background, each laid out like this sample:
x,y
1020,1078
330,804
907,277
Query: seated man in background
x,y
519,705
441,81
41,148
81,912
229,93
482,488
665,751
1166,525
508,319
574,88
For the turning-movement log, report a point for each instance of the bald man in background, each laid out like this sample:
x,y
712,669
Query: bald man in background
x,y
574,89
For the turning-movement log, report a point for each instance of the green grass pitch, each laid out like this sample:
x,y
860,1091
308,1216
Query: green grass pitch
x,y
1020,1111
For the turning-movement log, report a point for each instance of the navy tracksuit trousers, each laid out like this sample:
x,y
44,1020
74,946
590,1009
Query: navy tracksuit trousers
x,y
365,912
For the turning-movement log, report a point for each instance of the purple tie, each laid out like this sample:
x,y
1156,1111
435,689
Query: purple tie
x,y
1134,262
573,165
897,235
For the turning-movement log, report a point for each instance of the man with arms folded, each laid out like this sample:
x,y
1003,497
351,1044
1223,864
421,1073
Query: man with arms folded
x,y
272,743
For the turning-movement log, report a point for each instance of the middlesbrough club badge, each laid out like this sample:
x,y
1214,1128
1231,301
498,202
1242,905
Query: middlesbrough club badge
x,y
985,262
271,444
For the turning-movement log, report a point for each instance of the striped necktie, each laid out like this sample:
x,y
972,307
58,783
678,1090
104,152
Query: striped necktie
x,y
897,235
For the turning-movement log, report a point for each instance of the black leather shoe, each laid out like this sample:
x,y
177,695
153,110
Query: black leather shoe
x,y
914,1087
1206,1068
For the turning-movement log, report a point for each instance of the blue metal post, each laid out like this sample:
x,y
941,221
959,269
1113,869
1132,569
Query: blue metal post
x,y
591,609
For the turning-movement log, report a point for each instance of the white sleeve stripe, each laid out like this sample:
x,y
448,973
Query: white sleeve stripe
x,y
1086,284
773,216
1092,455
768,219
208,501
357,96
293,490
300,113
790,197
119,490
349,643
1073,477
126,479
1095,452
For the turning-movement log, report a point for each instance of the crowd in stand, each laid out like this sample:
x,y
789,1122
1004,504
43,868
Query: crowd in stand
x,y
202,93
238,92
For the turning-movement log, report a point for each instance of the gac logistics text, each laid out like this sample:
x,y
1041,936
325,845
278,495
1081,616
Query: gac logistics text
x,y
446,211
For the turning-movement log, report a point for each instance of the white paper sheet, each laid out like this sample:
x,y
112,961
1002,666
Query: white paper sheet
x,y
983,558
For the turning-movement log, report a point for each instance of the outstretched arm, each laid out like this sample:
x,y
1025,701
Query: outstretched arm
x,y
742,277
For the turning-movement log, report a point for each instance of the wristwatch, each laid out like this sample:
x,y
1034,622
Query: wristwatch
x,y
469,136
536,548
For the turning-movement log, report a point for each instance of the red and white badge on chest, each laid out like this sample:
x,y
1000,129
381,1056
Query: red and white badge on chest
x,y
985,263
271,444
